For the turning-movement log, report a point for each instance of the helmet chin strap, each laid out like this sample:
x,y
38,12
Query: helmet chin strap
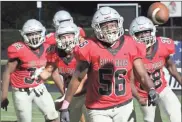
x,y
113,44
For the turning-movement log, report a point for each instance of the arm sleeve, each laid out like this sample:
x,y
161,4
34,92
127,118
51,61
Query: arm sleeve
x,y
50,39
138,50
171,47
141,48
82,52
168,45
52,57
82,32
13,51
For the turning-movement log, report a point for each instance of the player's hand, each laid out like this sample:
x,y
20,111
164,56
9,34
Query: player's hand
x,y
64,115
37,72
4,104
58,102
143,101
153,97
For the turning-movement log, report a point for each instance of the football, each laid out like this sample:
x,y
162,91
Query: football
x,y
158,13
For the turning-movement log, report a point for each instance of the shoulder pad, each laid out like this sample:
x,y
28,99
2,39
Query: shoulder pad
x,y
136,50
168,44
50,38
51,49
82,52
83,44
15,49
50,35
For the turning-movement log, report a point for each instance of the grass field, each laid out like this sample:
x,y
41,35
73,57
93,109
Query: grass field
x,y
7,116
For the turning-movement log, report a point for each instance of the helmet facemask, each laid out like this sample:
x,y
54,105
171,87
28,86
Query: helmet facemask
x,y
146,36
33,33
34,39
109,31
67,41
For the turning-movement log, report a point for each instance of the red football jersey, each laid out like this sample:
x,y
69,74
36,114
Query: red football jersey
x,y
66,66
108,76
28,62
154,64
50,38
82,32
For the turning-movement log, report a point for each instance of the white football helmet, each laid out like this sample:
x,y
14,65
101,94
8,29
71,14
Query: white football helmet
x,y
107,15
33,33
61,16
141,25
64,42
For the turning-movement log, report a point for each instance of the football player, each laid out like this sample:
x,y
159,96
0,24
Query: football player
x,y
62,16
61,60
107,60
158,51
24,58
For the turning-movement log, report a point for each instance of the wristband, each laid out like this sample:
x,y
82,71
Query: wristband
x,y
152,88
65,105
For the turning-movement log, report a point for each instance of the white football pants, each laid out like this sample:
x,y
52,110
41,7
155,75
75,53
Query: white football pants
x,y
23,103
117,114
167,100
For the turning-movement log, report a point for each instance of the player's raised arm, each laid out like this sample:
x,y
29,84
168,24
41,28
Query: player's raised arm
x,y
172,70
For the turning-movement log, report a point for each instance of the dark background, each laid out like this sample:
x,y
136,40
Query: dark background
x,y
15,13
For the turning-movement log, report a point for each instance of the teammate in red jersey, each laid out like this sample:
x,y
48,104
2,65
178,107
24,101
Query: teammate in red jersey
x,y
158,51
61,61
107,60
24,58
61,16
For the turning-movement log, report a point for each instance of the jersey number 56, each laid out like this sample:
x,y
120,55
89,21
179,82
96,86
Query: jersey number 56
x,y
105,80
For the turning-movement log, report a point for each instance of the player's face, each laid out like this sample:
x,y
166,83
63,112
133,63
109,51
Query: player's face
x,y
110,30
109,27
144,36
67,41
34,37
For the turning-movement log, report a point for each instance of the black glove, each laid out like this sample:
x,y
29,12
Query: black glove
x,y
4,104
64,115
152,97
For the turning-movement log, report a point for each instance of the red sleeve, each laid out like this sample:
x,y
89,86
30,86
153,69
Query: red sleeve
x,y
137,50
141,47
50,39
14,50
168,44
51,54
82,32
82,52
